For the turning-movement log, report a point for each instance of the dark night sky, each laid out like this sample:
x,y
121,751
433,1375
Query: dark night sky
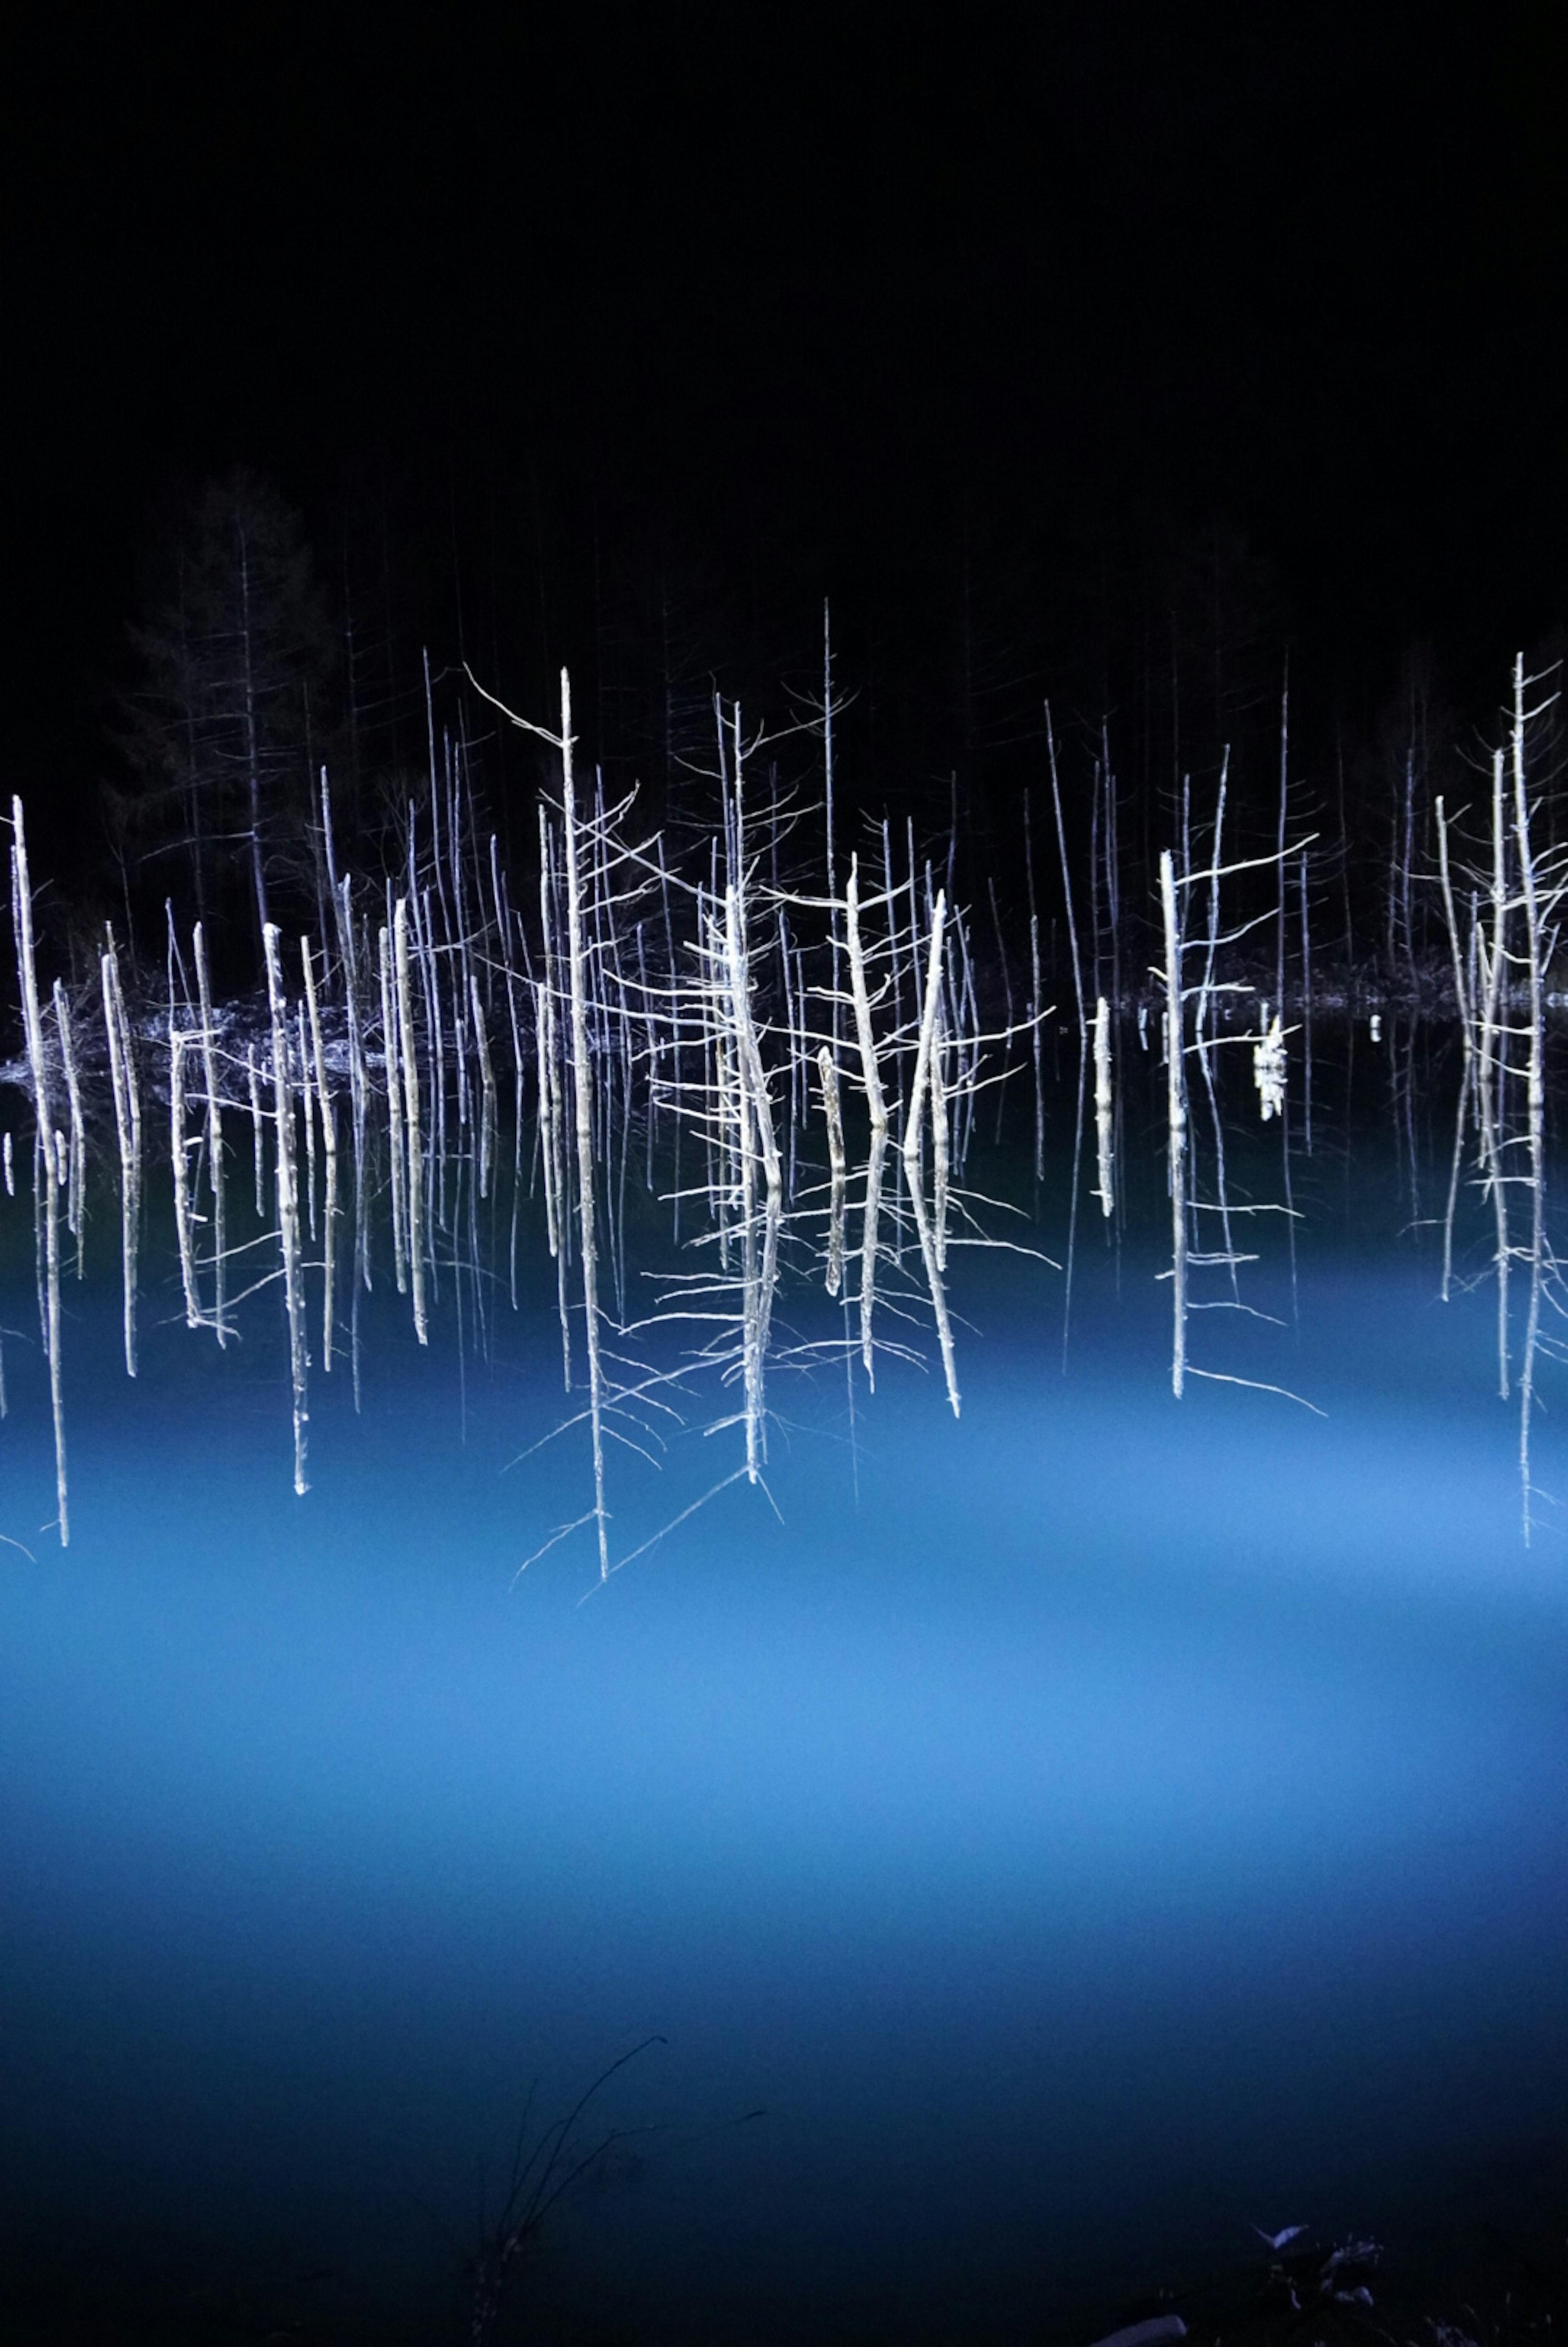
x,y
816,301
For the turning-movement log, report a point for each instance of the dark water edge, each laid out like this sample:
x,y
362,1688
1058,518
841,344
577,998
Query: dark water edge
x,y
1494,2270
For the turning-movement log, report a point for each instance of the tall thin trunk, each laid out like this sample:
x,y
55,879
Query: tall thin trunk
x,y
1176,1119
253,745
583,1104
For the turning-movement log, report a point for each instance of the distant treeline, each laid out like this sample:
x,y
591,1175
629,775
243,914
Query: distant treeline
x,y
1021,731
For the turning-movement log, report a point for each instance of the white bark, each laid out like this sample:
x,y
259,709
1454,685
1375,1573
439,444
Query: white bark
x,y
330,1143
127,1131
288,1202
1104,1107
583,1103
1176,1120
411,1106
214,1141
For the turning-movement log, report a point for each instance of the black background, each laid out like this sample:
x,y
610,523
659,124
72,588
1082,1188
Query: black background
x,y
860,305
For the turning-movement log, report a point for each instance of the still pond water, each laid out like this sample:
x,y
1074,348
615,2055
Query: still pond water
x,y
1082,1832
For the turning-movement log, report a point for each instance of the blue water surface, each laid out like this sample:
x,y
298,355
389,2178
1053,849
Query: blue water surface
x,y
1081,1831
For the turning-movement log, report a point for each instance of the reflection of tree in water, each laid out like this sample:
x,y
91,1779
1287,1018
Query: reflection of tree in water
x,y
711,1012
787,1029
1500,959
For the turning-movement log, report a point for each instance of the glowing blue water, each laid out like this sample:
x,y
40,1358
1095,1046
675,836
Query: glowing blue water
x,y
1121,1822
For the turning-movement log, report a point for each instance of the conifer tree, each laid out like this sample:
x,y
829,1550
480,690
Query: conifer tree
x,y
232,712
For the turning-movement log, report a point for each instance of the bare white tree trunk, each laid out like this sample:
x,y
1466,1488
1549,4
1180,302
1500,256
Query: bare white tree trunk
x,y
288,1202
871,1079
487,1081
1493,1070
128,1130
410,1057
398,1169
915,1172
330,1143
1176,1119
214,1140
1535,1090
583,1104
181,1171
1104,1107
49,1163
834,1116
77,1177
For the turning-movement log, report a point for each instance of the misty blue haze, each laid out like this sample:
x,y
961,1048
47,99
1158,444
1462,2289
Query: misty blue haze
x,y
1084,1830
